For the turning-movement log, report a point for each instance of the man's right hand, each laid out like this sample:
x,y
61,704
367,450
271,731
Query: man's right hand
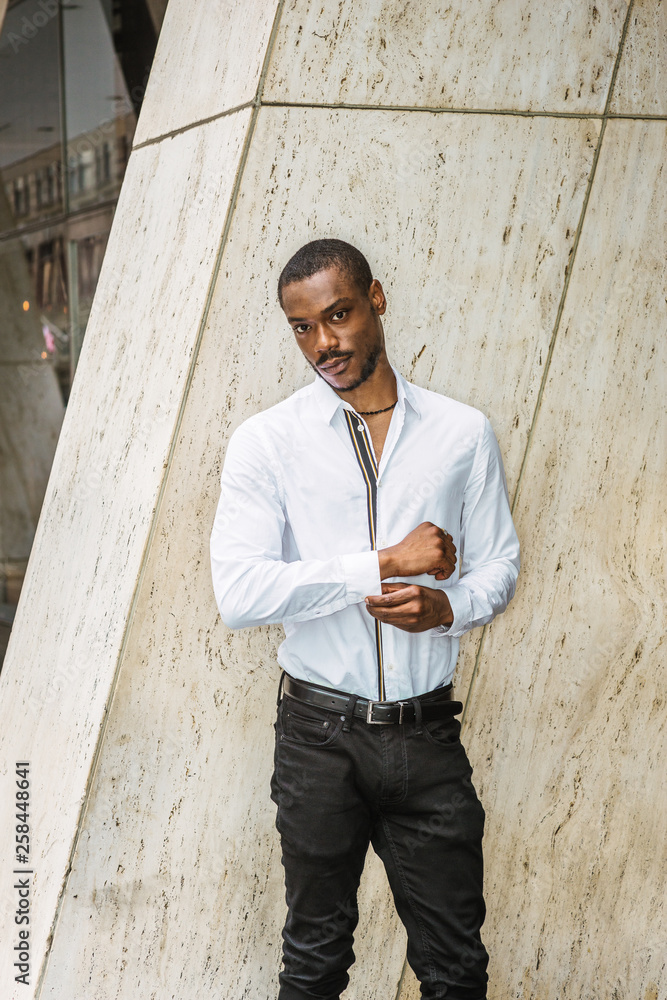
x,y
427,549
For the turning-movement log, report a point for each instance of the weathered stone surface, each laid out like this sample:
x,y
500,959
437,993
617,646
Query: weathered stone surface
x,y
472,261
567,727
641,85
492,54
470,220
109,465
189,732
208,60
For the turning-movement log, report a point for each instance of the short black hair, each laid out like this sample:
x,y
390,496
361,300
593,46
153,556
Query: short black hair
x,y
322,254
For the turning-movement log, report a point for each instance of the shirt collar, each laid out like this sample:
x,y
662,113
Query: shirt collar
x,y
329,401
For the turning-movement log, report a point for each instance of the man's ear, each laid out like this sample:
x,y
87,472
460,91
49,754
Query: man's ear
x,y
377,297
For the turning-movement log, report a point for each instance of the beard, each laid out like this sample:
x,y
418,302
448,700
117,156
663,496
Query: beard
x,y
367,369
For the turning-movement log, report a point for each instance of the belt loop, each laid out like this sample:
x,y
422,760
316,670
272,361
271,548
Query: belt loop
x,y
349,712
280,687
418,716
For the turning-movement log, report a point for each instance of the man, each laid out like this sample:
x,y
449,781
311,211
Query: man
x,y
371,518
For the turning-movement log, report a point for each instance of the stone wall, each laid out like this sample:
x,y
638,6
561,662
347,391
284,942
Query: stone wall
x,y
502,166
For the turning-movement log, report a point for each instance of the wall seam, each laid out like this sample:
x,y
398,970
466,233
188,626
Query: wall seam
x,y
256,106
636,117
427,109
559,313
102,206
511,112
191,125
398,108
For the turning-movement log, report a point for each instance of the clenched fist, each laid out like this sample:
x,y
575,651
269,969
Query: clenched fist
x,y
427,549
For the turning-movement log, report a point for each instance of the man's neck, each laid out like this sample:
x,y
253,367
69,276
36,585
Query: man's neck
x,y
376,393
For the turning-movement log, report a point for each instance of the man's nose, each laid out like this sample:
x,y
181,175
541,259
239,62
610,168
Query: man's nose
x,y
325,339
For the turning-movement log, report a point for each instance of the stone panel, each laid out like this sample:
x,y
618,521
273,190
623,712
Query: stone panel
x,y
104,486
641,84
567,728
176,888
180,820
208,60
491,54
472,260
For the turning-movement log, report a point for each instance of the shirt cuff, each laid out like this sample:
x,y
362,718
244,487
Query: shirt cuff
x,y
362,576
461,605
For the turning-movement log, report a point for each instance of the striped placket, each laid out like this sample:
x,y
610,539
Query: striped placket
x,y
363,450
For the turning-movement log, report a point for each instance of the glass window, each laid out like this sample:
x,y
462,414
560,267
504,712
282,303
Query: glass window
x,y
72,79
99,111
30,121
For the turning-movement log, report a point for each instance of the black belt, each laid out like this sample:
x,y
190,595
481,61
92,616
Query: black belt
x,y
438,704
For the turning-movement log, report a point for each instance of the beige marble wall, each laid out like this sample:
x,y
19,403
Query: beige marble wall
x,y
485,55
81,585
520,235
642,81
571,724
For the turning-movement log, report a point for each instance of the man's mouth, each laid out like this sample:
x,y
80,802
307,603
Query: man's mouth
x,y
335,366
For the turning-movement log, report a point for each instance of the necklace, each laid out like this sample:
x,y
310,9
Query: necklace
x,y
372,413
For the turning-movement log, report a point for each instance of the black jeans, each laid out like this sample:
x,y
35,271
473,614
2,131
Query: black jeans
x,y
405,789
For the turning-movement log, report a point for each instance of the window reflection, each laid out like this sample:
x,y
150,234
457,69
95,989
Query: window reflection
x,y
72,78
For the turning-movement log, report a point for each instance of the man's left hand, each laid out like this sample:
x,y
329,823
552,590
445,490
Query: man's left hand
x,y
412,608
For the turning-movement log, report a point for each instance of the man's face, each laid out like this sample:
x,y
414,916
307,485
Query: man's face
x,y
337,326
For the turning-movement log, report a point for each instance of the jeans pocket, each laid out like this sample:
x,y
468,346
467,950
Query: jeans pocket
x,y
443,732
307,725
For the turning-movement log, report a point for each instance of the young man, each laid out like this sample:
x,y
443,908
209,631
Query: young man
x,y
371,518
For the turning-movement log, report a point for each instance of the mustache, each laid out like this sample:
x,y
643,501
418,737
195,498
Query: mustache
x,y
332,356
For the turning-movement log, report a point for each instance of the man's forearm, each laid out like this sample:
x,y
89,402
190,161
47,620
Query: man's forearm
x,y
263,591
387,561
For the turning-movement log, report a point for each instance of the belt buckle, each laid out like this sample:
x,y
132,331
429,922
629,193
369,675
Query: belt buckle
x,y
377,722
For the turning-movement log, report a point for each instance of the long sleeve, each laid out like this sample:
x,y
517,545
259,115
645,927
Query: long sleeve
x,y
489,546
253,583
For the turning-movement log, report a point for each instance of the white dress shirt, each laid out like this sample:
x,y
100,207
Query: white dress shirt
x,y
291,543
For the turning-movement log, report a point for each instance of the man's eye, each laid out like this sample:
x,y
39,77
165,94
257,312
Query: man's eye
x,y
301,328
339,314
